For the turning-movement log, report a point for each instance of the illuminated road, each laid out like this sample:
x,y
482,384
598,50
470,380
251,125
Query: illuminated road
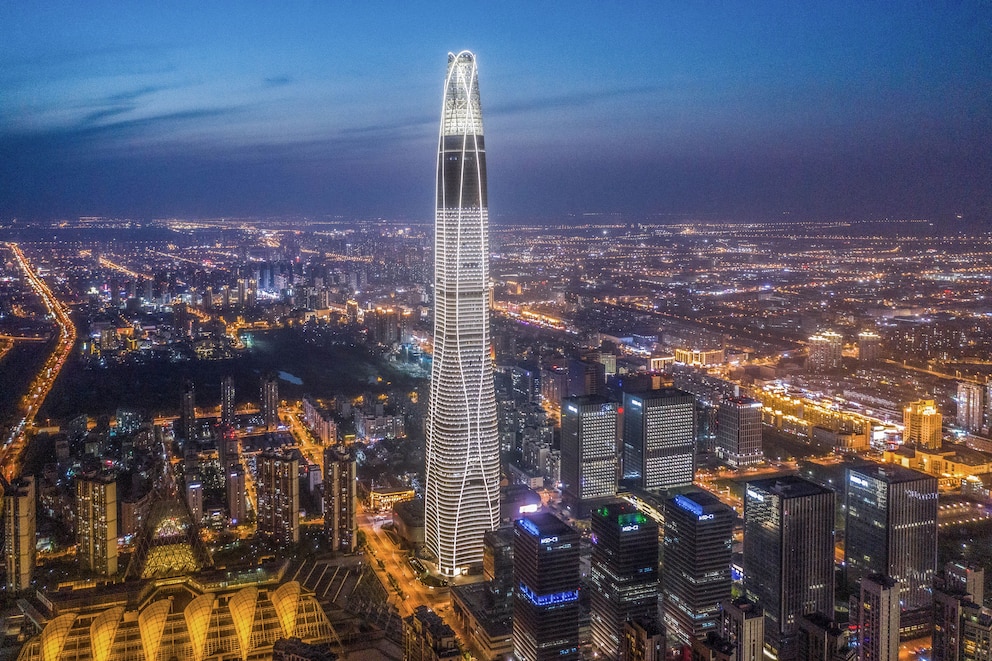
x,y
15,443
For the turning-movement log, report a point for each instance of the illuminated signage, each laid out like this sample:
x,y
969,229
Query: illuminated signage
x,y
529,527
572,408
859,480
549,599
529,509
632,526
754,494
549,540
635,402
705,517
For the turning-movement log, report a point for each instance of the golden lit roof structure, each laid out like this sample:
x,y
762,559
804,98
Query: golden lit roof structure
x,y
206,618
169,544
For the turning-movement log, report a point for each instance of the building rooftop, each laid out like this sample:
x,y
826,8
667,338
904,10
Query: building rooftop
x,y
788,486
543,523
890,473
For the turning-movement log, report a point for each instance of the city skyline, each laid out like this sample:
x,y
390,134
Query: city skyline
x,y
655,112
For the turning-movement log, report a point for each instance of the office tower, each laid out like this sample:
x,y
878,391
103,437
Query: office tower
x,y
19,510
278,496
194,498
822,639
878,619
585,377
462,450
237,505
869,347
227,401
922,424
659,438
588,450
623,573
270,401
739,431
497,567
696,556
426,637
96,522
643,640
892,529
546,600
788,554
971,406
825,351
962,578
743,624
340,519
187,412
946,639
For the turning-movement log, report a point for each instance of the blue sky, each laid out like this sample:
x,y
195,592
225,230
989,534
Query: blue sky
x,y
708,109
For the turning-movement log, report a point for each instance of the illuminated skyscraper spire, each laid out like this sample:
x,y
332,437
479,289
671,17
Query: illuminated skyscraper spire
x,y
462,476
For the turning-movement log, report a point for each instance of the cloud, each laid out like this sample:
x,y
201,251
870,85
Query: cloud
x,y
278,81
568,100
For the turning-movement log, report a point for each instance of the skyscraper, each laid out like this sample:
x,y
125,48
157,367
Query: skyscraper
x,y
546,599
659,438
623,573
19,510
237,504
922,424
878,619
739,431
96,525
699,531
743,624
279,496
227,401
270,401
340,521
589,462
892,529
462,451
971,406
825,351
788,555
187,412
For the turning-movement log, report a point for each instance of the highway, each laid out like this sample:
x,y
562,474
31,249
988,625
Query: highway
x,y
14,445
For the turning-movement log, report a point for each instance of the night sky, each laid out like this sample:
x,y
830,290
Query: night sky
x,y
655,110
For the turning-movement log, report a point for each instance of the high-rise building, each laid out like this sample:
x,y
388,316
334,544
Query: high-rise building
x,y
497,567
237,504
589,461
892,529
187,412
585,377
644,640
546,599
820,638
788,555
270,401
739,431
825,351
227,401
922,424
971,406
976,633
340,499
194,498
878,619
623,573
869,346
278,496
19,510
743,624
96,522
461,493
659,438
964,578
696,556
